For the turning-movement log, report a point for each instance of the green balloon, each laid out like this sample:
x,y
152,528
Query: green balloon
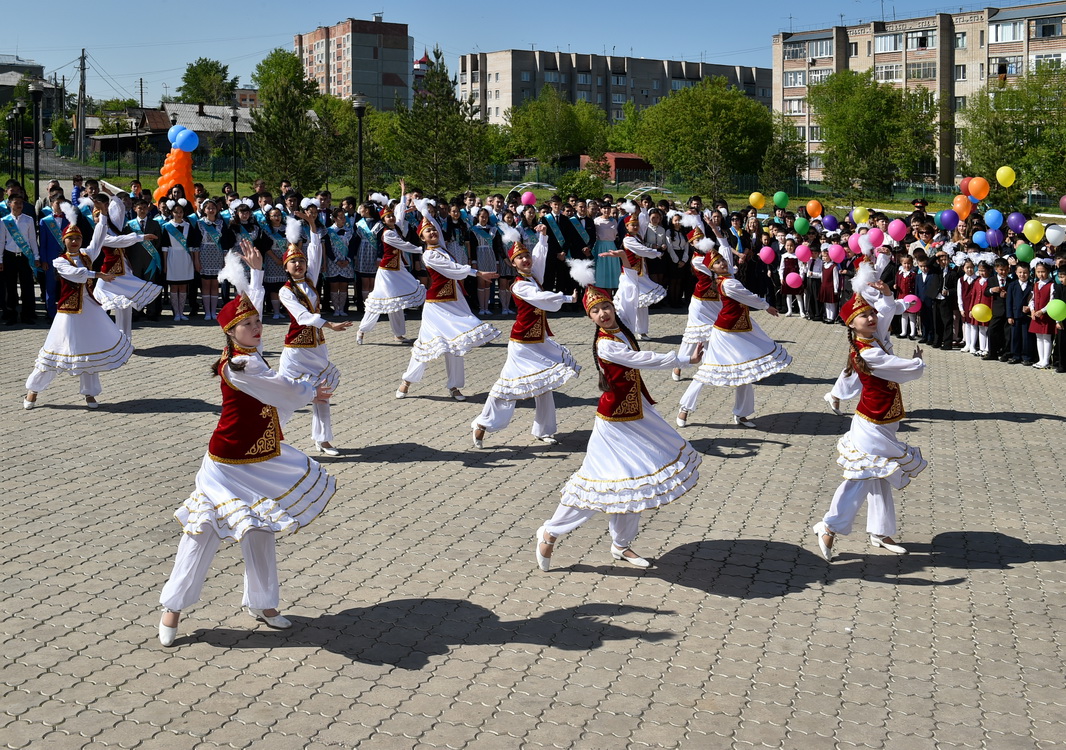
x,y
781,199
936,220
1056,310
1024,253
802,225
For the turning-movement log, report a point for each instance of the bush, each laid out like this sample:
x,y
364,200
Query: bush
x,y
580,182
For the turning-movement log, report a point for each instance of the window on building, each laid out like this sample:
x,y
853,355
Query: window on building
x,y
497,93
643,92
618,98
616,114
497,77
476,94
1008,31
1047,61
889,73
1007,66
924,39
800,132
551,76
795,78
960,72
869,48
981,71
655,85
820,48
497,111
853,49
815,161
818,75
960,40
677,84
583,96
922,71
959,104
795,106
888,43
794,50
618,80
599,98
1048,27
475,77
563,77
599,80
959,136
584,79
527,76
981,39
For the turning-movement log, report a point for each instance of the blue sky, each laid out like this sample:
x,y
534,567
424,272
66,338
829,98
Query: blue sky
x,y
125,45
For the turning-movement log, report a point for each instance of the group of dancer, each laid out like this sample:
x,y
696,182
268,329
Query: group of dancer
x,y
252,487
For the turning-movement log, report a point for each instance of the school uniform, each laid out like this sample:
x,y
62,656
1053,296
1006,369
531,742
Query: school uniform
x,y
20,258
1022,342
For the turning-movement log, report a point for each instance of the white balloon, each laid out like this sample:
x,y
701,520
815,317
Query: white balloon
x,y
1055,235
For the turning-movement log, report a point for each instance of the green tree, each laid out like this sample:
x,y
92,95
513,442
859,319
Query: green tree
x,y
112,105
913,143
546,128
623,133
206,81
283,142
708,132
784,157
62,130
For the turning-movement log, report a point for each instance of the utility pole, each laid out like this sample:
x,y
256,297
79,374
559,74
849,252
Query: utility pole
x,y
63,97
80,134
142,93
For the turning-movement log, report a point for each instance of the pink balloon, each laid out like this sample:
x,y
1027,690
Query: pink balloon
x,y
877,237
766,255
528,199
837,254
897,230
794,280
803,253
913,303
853,243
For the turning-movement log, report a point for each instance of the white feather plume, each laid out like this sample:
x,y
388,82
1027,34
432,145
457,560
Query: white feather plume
x,y
423,204
705,245
508,234
70,212
629,207
582,270
865,275
690,220
85,202
234,273
292,231
380,199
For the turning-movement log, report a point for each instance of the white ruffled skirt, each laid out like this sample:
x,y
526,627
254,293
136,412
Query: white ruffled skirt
x,y
281,495
84,343
450,328
741,358
632,466
126,291
871,451
393,291
701,317
311,363
533,369
648,292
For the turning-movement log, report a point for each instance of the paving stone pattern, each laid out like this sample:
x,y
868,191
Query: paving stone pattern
x,y
421,620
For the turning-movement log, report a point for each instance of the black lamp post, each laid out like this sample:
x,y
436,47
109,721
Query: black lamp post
x,y
173,118
359,104
11,142
37,93
20,107
233,117
137,146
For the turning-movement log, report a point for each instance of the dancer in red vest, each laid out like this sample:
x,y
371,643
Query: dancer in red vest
x,y
536,363
251,486
635,460
873,459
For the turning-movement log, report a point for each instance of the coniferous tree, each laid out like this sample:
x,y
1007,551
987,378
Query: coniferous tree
x,y
284,136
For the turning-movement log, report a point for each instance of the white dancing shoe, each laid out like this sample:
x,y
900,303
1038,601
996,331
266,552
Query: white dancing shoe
x,y
403,340
28,404
359,338
479,436
643,337
886,542
834,404
743,421
822,531
549,439
457,394
91,402
675,375
543,562
637,560
326,448
682,421
167,634
401,392
276,621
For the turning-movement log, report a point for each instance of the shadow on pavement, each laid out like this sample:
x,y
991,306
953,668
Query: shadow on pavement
x,y
954,415
405,633
802,423
178,350
162,406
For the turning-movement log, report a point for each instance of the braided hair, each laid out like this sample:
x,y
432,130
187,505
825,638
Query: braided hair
x,y
853,347
604,385
228,352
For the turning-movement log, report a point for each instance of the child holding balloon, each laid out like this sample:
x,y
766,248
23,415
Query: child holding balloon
x,y
966,302
789,270
1042,324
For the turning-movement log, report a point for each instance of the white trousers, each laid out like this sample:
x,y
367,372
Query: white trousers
x,y
641,325
396,321
499,412
691,398
624,526
41,379
743,399
124,320
849,497
452,363
321,423
195,552
969,337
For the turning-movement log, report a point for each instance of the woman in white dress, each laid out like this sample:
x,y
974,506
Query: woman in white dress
x,y
251,487
82,341
448,328
703,311
635,273
635,461
181,244
536,363
395,288
738,353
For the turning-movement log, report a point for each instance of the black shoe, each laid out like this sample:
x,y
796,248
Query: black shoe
x,y
1005,358
989,358
1027,363
1013,361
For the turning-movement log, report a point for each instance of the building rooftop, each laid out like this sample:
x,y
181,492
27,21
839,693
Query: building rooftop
x,y
1028,11
215,118
16,60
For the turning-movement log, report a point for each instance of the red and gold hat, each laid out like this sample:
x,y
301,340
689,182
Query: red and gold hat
x,y
386,211
234,311
594,296
517,249
424,225
695,234
71,231
633,221
853,308
293,251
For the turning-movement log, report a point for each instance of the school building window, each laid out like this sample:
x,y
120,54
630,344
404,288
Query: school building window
x,y
1007,66
816,133
584,79
1048,27
960,103
819,74
888,43
618,80
1008,31
526,76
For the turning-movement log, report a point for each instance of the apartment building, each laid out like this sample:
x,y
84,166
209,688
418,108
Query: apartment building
x,y
954,55
501,80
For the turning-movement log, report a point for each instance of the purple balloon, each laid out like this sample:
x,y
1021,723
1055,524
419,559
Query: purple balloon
x,y
949,219
831,224
1016,221
995,237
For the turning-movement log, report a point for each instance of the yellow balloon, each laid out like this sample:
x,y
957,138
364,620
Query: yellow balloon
x,y
861,215
981,313
1033,230
1005,176
758,200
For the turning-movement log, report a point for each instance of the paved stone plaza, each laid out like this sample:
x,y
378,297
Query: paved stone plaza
x,y
421,620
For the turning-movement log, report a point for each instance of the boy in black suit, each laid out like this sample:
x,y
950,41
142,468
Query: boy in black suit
x,y
996,298
1022,343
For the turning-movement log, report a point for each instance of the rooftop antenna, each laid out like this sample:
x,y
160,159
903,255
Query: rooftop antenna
x,y
789,23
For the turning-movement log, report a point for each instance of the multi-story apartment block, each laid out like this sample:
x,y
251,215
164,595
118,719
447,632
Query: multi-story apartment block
x,y
372,57
954,55
501,80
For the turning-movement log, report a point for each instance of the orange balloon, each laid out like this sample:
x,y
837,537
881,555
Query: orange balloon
x,y
814,208
979,188
962,204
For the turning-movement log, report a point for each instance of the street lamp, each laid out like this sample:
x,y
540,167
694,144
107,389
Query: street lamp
x,y
20,107
173,118
359,102
234,116
11,142
137,145
37,93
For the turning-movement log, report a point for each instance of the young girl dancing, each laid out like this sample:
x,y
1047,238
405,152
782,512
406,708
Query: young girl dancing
x,y
636,273
395,288
874,461
251,486
536,364
634,460
703,311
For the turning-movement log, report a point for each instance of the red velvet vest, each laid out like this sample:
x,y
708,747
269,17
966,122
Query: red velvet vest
x,y
531,323
390,257
248,430
298,336
441,288
735,316
114,261
636,261
881,401
70,295
622,403
706,286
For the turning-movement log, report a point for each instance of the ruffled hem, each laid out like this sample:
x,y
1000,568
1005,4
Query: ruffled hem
x,y
534,384
78,364
745,372
649,298
700,334
633,495
899,471
125,297
394,304
438,346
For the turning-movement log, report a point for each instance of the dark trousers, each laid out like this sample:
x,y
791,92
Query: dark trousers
x,y
1022,343
997,335
1060,349
944,329
18,277
928,317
